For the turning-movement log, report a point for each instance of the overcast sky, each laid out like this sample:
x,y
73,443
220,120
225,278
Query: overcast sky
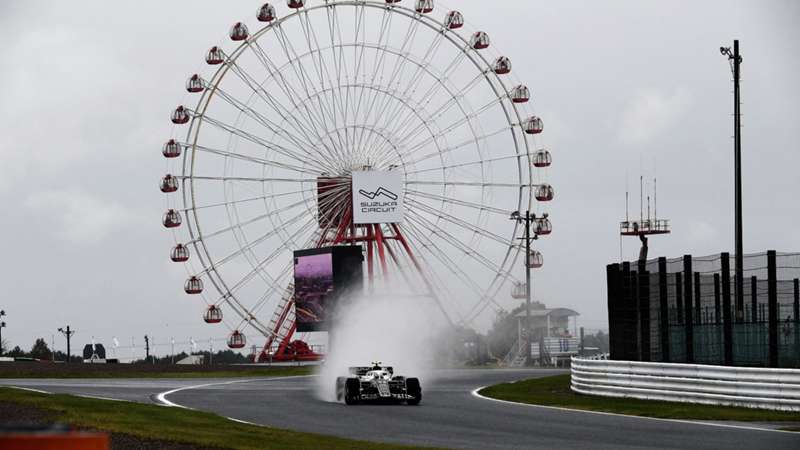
x,y
624,87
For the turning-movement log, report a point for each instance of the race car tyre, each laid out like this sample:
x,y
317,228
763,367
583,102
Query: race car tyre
x,y
413,388
340,381
352,391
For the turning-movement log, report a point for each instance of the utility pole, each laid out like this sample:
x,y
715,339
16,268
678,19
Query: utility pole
x,y
532,260
68,334
736,60
146,348
2,325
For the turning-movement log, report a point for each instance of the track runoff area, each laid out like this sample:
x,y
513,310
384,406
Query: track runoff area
x,y
452,414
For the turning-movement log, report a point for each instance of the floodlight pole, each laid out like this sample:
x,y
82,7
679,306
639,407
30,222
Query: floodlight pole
x,y
737,138
736,60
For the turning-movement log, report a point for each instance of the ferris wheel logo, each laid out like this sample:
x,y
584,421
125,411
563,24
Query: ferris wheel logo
x,y
381,191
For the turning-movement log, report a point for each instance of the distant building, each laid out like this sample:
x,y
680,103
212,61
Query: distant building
x,y
94,353
552,342
192,360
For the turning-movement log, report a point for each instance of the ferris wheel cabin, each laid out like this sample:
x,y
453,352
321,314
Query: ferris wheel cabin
x,y
215,56
213,314
266,13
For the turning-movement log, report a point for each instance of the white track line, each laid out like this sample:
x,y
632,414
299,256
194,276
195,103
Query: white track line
x,y
475,393
162,397
29,389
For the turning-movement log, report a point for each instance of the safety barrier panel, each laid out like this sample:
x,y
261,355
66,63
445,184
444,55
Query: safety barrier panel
x,y
716,385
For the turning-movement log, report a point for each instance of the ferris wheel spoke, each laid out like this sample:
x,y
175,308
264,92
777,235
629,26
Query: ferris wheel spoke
x,y
396,71
440,198
463,224
470,183
466,119
286,246
436,88
253,220
453,241
255,242
358,58
320,165
284,273
261,119
229,203
252,159
422,234
305,80
337,99
289,91
377,63
466,278
395,115
334,102
455,96
458,146
297,125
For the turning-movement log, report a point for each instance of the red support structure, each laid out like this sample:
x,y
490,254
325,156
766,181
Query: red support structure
x,y
346,231
381,254
370,257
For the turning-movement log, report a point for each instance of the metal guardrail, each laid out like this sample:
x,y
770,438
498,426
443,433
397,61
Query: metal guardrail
x,y
717,385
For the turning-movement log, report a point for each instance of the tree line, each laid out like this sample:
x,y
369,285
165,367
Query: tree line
x,y
41,351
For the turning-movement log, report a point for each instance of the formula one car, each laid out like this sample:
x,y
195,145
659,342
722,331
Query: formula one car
x,y
377,383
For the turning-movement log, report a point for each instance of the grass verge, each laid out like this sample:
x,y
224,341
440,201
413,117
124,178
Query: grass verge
x,y
555,391
176,424
43,370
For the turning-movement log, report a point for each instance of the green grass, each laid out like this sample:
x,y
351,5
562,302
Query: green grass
x,y
63,371
555,391
176,424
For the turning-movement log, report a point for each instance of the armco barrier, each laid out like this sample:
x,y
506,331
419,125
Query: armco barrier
x,y
717,385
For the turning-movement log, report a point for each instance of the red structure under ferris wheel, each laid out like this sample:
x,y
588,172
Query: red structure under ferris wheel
x,y
368,123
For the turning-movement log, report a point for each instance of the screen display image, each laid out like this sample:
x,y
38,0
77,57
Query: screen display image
x,y
313,275
323,278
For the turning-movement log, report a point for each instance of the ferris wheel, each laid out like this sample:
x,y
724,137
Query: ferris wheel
x,y
264,152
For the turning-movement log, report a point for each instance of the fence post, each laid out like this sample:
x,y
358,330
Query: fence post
x,y
632,311
688,327
772,301
626,315
698,318
717,306
644,312
753,299
613,286
679,296
727,326
663,323
797,317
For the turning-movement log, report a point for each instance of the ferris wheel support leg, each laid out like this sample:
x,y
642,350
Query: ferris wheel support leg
x,y
417,265
286,340
341,233
396,261
381,253
370,259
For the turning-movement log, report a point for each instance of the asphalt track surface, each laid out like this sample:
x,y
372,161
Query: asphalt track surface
x,y
450,414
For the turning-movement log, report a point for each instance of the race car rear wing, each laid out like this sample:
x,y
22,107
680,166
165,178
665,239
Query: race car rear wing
x,y
362,370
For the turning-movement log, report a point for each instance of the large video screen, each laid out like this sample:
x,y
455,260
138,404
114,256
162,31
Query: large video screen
x,y
322,276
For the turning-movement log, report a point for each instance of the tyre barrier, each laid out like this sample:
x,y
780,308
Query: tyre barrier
x,y
748,387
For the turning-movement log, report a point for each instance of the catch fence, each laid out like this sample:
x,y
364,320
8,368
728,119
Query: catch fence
x,y
689,310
